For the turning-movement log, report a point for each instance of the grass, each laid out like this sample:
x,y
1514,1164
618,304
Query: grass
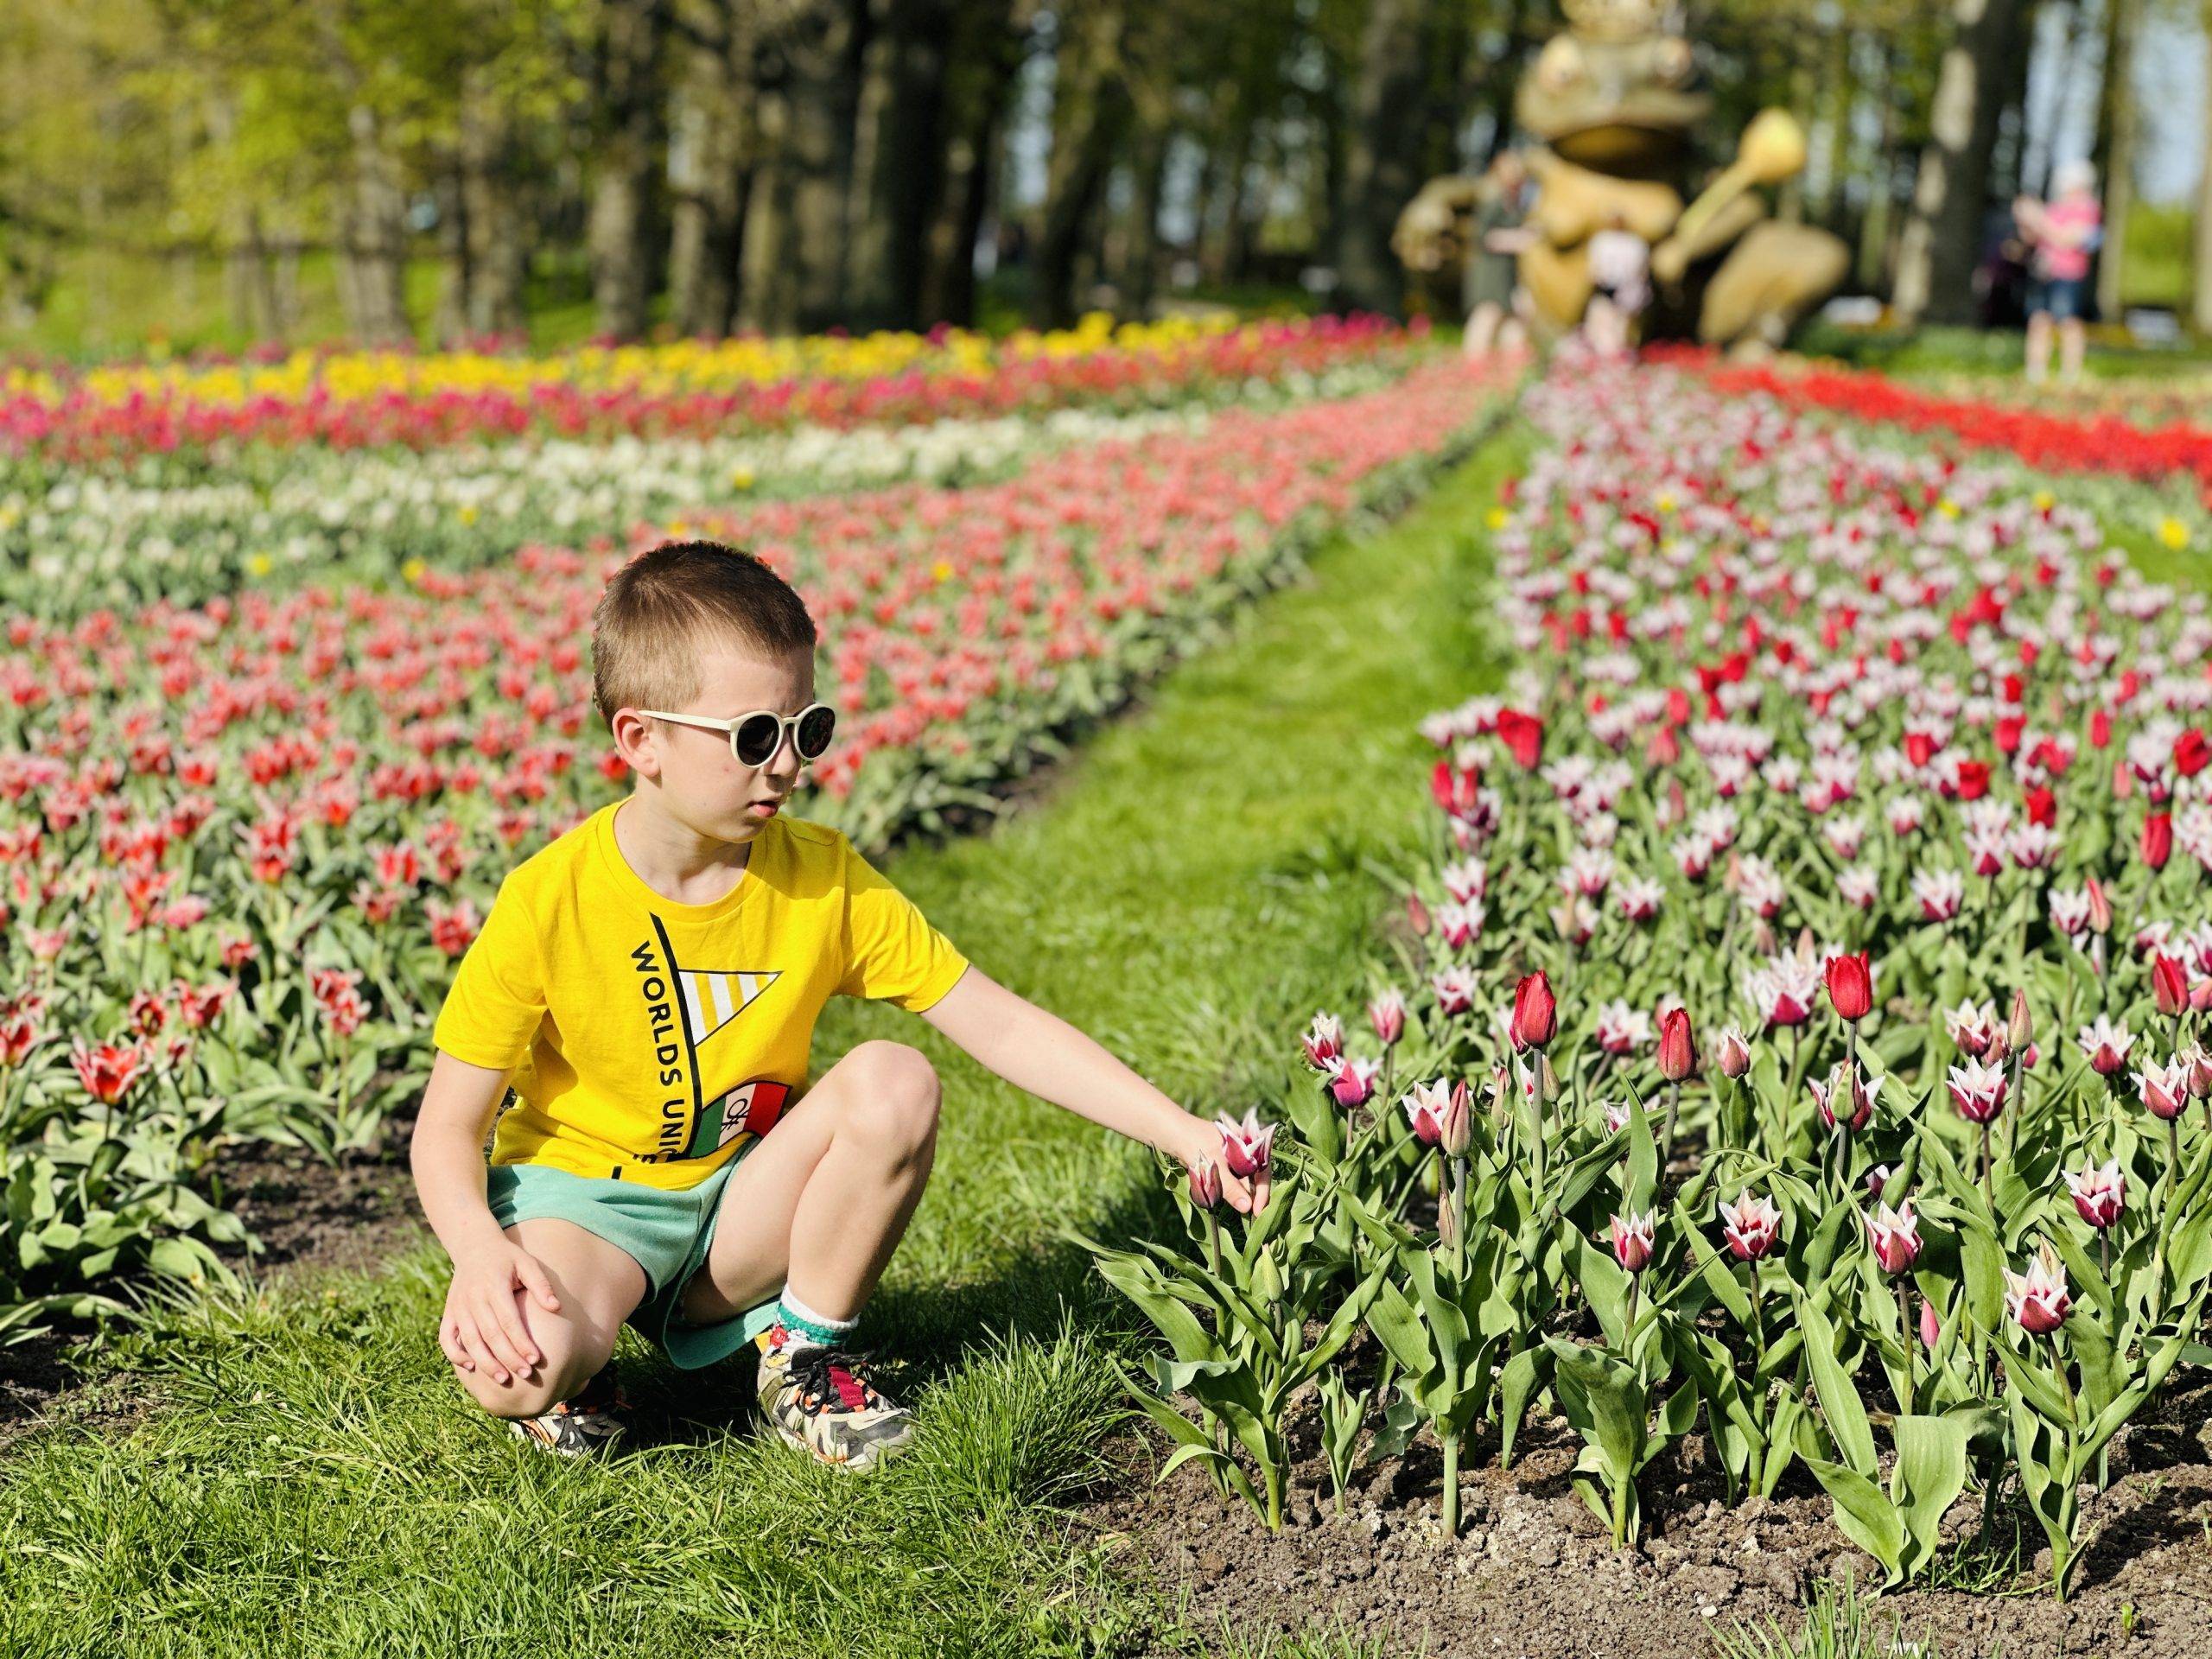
x,y
1188,889
1840,1624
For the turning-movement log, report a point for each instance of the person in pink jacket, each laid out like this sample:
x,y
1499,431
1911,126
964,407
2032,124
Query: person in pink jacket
x,y
2064,232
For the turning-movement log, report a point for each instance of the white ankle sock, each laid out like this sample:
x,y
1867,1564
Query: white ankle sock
x,y
805,1324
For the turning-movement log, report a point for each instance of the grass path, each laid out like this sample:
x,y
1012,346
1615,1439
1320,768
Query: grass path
x,y
1190,886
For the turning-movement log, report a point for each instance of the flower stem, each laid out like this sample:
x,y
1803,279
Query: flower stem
x,y
1451,1485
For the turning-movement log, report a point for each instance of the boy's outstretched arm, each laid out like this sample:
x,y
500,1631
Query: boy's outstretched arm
x,y
1043,1053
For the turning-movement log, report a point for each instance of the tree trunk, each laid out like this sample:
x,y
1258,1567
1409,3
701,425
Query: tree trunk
x,y
624,205
1090,106
710,140
1881,195
1139,275
491,189
898,169
1942,238
821,47
2200,278
1381,164
449,324
376,234
2116,129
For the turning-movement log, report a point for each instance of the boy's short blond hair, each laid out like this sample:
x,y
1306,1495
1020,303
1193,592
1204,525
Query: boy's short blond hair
x,y
669,605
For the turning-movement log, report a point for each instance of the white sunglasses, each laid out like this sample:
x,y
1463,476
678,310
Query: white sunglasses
x,y
754,738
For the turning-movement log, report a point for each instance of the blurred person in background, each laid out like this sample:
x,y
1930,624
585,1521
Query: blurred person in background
x,y
2064,233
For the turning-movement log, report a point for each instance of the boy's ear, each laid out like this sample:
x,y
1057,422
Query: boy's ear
x,y
634,740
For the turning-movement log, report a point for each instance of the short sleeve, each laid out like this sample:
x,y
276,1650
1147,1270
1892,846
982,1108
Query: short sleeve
x,y
497,1002
892,953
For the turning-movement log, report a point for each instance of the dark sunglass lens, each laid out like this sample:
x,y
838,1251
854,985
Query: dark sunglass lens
x,y
815,728
757,738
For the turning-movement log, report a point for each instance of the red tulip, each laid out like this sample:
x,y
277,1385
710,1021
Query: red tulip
x,y
2158,842
107,1071
1522,735
1535,1014
1931,1326
1851,985
1677,1048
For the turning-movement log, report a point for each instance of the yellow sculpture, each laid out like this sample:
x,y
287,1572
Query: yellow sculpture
x,y
1613,103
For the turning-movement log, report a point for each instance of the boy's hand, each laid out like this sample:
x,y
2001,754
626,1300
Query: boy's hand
x,y
483,1323
1200,1143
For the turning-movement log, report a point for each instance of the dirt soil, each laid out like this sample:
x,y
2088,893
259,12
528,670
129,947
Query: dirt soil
x,y
1534,1572
308,1216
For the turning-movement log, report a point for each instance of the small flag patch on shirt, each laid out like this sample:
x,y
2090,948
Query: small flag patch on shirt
x,y
711,1001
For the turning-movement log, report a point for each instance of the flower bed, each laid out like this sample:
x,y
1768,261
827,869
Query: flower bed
x,y
2059,443
186,529
356,399
242,843
1792,1063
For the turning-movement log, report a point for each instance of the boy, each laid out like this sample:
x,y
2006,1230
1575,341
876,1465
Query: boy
x,y
648,983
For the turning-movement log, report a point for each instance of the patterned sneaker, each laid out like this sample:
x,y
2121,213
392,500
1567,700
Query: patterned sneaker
x,y
588,1424
819,1398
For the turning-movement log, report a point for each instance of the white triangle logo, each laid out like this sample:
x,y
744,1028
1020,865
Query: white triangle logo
x,y
711,1001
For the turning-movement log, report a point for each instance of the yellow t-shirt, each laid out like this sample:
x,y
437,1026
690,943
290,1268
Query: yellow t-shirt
x,y
649,1041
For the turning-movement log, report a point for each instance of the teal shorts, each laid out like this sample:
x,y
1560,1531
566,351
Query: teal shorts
x,y
668,1234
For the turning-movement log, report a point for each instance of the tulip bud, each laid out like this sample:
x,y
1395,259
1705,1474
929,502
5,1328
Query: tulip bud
x,y
2099,907
1447,1226
1877,1181
1732,1053
2168,986
2020,1030
1931,1327
2200,1069
1205,1184
1417,915
1677,1047
1535,1014
1457,1129
1387,1014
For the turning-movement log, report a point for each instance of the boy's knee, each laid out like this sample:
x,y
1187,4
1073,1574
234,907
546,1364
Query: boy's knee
x,y
895,1106
557,1379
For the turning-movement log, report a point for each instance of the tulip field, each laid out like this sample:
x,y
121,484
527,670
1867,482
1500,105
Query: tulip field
x,y
1760,1135
1790,1062
295,669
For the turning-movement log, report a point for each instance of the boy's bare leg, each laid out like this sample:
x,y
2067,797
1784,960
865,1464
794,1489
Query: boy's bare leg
x,y
824,1198
599,1284
2038,346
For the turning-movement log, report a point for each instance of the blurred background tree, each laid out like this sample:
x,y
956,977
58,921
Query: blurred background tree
x,y
233,171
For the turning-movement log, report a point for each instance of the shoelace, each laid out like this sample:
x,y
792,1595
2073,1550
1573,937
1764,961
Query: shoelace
x,y
828,1371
